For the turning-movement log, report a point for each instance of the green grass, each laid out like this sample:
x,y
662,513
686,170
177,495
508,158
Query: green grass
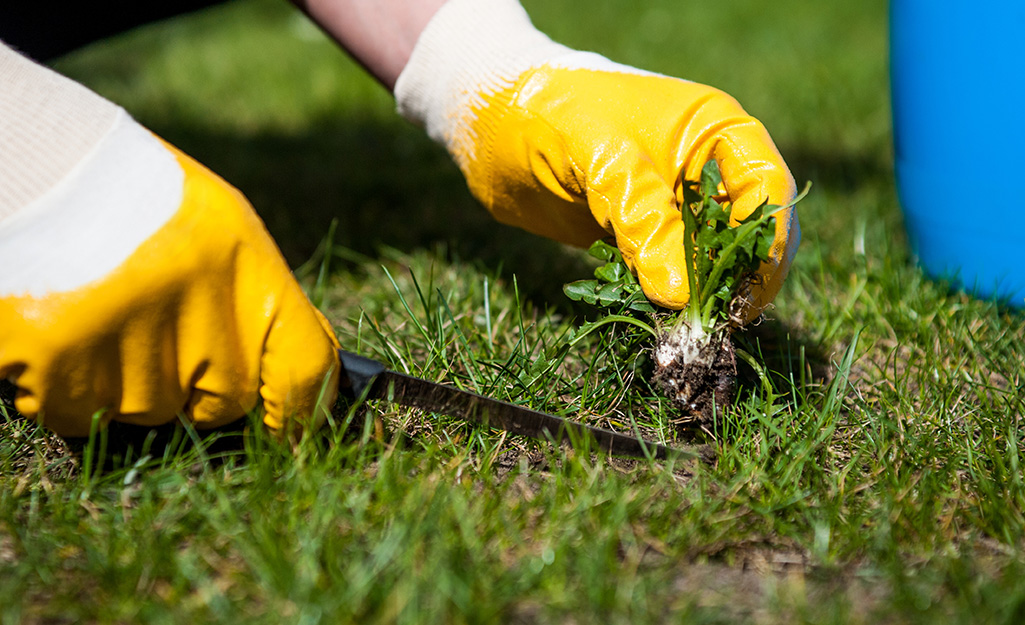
x,y
871,474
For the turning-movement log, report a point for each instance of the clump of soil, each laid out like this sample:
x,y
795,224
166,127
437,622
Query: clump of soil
x,y
697,372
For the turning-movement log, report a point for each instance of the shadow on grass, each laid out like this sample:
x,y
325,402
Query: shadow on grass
x,y
387,185
122,444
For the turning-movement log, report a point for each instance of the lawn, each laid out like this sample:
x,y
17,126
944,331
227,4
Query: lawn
x,y
871,473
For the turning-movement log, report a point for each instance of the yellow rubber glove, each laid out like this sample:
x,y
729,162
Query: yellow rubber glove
x,y
575,147
144,286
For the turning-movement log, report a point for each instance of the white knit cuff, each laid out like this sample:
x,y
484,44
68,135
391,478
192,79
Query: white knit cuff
x,y
84,226
469,48
48,124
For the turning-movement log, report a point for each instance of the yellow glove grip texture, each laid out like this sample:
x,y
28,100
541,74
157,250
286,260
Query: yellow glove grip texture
x,y
203,318
576,154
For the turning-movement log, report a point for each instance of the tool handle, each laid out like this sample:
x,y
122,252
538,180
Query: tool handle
x,y
358,373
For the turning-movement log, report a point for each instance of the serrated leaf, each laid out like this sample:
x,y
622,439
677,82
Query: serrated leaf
x,y
765,243
756,214
690,195
746,249
718,256
710,239
716,214
710,178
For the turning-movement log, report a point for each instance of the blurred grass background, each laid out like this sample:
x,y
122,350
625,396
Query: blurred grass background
x,y
873,476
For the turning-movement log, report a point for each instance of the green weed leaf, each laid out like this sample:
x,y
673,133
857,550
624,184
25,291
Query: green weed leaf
x,y
720,258
611,272
603,251
582,291
710,179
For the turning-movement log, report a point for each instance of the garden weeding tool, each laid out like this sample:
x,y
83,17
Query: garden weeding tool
x,y
364,378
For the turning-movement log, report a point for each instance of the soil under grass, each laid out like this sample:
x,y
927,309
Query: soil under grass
x,y
703,387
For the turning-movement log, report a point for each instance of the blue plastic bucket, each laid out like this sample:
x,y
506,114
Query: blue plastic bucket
x,y
957,72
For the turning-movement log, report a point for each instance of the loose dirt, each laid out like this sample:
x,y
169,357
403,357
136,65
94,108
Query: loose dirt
x,y
704,386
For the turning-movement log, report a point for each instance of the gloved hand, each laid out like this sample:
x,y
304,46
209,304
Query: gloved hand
x,y
575,147
145,286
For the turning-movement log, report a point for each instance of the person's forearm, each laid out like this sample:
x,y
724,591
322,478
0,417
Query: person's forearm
x,y
380,34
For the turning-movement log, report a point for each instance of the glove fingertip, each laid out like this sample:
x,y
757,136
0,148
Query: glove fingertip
x,y
299,379
660,268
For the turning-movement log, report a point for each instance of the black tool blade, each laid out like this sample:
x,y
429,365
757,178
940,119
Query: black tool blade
x,y
366,376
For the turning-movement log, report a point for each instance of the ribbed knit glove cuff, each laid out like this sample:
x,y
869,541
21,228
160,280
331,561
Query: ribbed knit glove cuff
x,y
48,125
470,47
